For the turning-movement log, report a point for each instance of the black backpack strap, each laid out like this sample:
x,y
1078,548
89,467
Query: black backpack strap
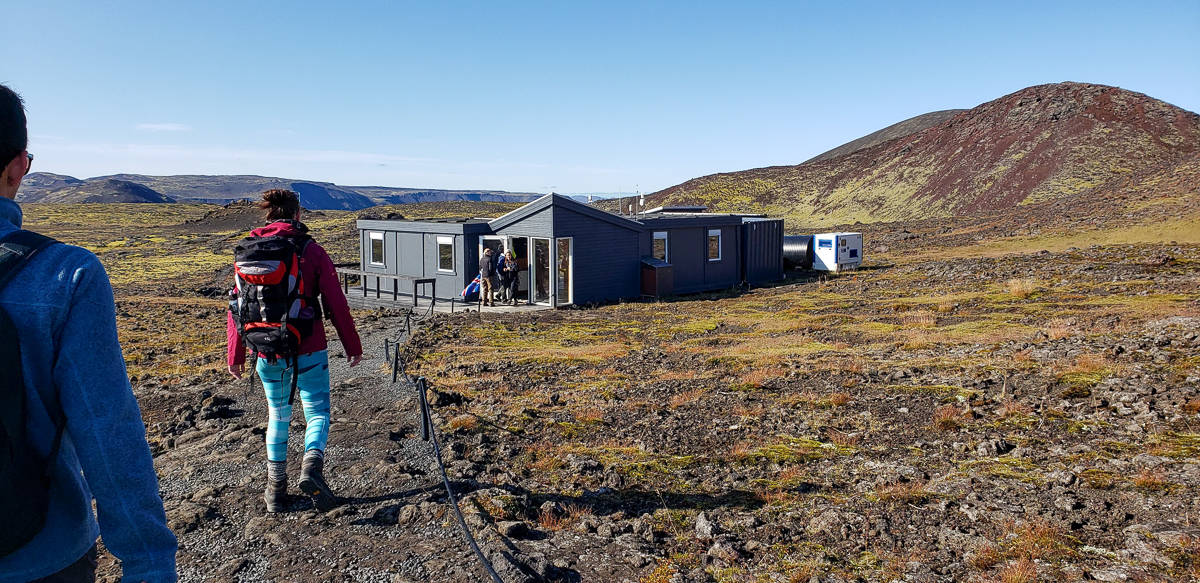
x,y
312,297
295,378
16,249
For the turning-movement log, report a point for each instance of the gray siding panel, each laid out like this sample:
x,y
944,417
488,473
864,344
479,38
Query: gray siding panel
x,y
539,224
724,273
390,257
411,254
389,252
763,254
688,253
606,260
685,251
449,284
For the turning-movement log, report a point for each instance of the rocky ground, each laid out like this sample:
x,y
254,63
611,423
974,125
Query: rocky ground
x,y
949,428
1010,415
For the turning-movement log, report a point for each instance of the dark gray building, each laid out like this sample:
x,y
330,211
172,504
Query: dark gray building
x,y
573,253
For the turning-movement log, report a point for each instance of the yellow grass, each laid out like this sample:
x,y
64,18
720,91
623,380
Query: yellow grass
x,y
1184,230
686,398
1021,287
1022,571
920,319
1058,328
948,418
463,423
1151,480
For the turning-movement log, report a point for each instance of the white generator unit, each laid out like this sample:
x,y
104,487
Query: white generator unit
x,y
837,251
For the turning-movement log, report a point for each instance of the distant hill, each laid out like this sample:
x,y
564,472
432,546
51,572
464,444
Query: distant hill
x,y
907,127
106,190
45,187
1037,144
40,183
388,195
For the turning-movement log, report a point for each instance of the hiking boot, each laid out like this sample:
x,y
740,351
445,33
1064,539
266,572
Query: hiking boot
x,y
276,495
312,483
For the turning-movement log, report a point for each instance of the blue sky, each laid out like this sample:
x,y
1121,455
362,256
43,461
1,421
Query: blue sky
x,y
538,96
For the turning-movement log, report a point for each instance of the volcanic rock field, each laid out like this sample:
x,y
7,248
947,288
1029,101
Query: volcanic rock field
x,y
985,400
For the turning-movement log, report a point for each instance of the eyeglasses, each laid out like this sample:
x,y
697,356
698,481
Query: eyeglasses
x,y
30,156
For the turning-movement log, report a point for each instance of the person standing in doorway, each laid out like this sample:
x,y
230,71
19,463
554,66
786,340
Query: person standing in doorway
x,y
320,279
487,270
509,275
81,421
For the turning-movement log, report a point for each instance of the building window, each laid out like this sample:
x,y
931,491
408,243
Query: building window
x,y
714,244
445,247
377,249
661,250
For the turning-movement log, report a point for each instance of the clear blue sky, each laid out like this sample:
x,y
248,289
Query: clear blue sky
x,y
536,96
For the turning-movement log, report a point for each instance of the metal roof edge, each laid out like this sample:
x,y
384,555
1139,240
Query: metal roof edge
x,y
420,226
553,199
591,211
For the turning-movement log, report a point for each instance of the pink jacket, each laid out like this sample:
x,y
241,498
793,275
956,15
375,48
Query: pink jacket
x,y
315,268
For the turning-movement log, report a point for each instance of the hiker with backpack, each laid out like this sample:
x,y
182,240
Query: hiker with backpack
x,y
70,429
282,279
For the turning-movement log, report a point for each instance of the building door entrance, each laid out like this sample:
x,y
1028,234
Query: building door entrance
x,y
520,246
539,271
563,276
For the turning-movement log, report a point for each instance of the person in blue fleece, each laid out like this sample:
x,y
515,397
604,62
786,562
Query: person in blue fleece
x,y
62,305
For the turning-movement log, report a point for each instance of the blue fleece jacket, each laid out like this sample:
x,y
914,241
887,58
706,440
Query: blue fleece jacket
x,y
62,304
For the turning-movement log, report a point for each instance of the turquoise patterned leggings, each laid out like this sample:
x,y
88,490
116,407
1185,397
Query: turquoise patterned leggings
x,y
313,387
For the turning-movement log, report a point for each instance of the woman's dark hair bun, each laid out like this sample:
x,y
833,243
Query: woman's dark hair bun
x,y
280,203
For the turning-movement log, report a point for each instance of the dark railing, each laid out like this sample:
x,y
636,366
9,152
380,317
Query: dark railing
x,y
412,283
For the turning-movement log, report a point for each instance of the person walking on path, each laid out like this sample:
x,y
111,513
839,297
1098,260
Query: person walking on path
x,y
311,366
76,395
487,269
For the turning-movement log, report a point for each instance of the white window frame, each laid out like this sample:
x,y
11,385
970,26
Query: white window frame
x,y
445,240
711,234
372,237
666,244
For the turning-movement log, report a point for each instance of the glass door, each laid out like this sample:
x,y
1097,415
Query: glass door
x,y
563,271
520,246
540,271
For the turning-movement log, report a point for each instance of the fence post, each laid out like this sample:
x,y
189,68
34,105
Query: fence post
x,y
396,364
423,401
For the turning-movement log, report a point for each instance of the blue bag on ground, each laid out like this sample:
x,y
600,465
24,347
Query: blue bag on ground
x,y
471,292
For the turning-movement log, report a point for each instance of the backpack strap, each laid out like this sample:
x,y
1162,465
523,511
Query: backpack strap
x,y
16,249
312,296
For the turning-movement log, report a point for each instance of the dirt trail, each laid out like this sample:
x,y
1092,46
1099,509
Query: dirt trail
x,y
394,525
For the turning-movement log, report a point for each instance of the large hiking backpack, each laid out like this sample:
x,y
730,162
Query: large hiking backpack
x,y
24,475
269,303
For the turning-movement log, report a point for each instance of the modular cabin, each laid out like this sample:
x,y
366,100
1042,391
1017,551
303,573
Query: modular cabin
x,y
573,253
